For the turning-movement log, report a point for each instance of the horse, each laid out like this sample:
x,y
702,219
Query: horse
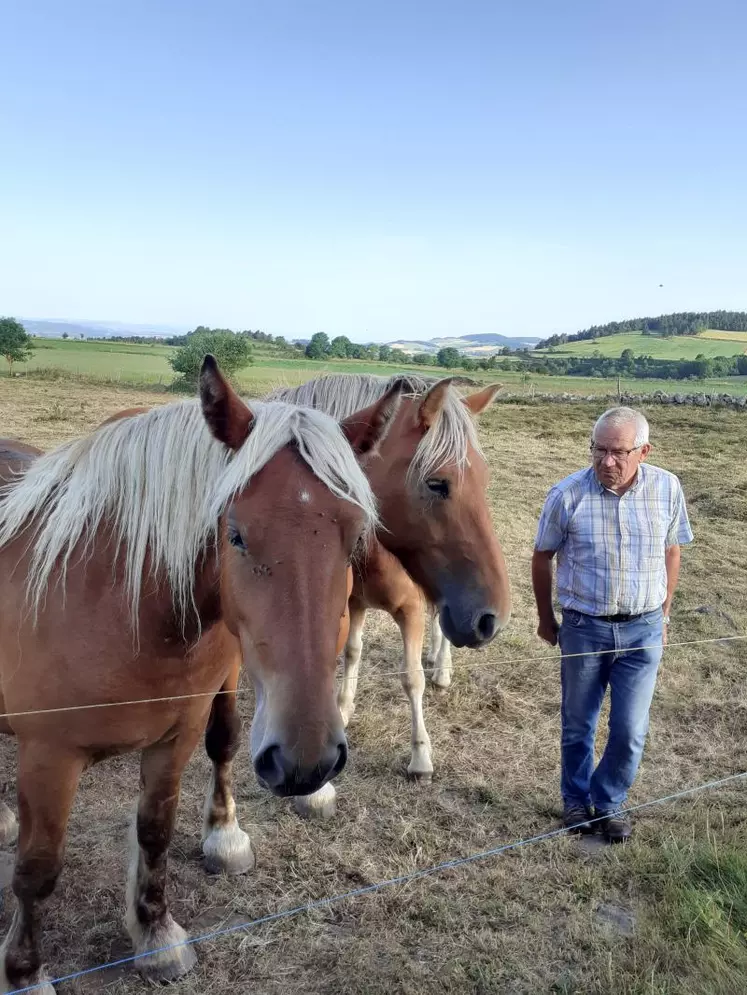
x,y
434,541
148,561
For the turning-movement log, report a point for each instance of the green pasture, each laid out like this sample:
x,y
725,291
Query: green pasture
x,y
136,363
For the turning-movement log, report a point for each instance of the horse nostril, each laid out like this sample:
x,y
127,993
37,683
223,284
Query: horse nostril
x,y
342,759
487,626
269,767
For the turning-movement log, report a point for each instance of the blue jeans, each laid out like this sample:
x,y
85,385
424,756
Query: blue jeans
x,y
631,676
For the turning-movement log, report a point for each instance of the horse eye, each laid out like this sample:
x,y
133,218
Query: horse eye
x,y
234,537
439,487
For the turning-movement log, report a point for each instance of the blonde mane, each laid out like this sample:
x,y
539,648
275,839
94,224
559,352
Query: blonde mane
x,y
448,440
161,481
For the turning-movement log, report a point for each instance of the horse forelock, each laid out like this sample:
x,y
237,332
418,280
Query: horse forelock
x,y
161,481
448,441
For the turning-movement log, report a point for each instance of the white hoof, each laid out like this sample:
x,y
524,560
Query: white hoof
x,y
441,680
322,804
228,849
346,712
420,776
172,958
8,826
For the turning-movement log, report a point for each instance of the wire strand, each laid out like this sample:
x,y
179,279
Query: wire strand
x,y
371,678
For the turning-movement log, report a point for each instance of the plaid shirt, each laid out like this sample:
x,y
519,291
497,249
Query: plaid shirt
x,y
611,548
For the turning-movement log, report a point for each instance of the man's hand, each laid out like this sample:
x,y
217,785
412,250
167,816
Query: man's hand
x,y
665,634
548,630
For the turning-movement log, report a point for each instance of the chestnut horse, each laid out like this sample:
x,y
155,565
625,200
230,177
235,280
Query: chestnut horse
x,y
147,560
435,540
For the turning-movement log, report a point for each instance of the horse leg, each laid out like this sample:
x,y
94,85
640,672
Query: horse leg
x,y
47,782
225,845
148,919
353,652
8,825
409,618
8,822
439,656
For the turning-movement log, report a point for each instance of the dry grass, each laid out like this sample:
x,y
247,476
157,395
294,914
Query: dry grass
x,y
664,916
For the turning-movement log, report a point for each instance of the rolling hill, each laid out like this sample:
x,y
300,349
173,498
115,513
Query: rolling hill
x,y
52,328
484,344
709,343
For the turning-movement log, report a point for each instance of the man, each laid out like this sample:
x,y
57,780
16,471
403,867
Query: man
x,y
616,528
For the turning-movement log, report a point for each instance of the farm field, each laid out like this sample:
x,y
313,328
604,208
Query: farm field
x,y
143,365
710,343
666,915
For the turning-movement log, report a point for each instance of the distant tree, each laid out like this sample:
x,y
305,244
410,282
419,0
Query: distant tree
x,y
65,335
318,347
422,358
385,353
340,347
233,353
399,357
703,367
449,357
15,343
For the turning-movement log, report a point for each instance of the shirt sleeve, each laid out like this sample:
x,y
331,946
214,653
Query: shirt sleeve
x,y
552,529
679,532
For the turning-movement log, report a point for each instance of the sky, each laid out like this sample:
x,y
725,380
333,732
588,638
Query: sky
x,y
380,170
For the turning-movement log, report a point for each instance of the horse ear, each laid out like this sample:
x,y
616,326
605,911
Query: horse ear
x,y
433,402
478,402
227,417
366,429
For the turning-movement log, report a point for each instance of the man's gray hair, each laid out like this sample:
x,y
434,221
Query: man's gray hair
x,y
616,417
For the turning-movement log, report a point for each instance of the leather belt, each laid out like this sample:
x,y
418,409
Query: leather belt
x,y
621,617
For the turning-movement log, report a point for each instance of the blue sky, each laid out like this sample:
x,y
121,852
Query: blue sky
x,y
380,170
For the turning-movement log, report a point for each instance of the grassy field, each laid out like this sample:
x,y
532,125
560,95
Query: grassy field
x,y
141,365
666,915
714,333
710,343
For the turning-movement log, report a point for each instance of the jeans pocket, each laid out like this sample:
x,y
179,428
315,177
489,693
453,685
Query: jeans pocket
x,y
653,619
572,618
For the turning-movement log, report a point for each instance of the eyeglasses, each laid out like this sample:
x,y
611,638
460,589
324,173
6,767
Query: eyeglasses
x,y
619,455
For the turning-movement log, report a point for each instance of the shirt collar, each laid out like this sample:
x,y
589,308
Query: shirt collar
x,y
633,487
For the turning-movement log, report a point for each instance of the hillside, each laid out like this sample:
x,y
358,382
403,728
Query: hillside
x,y
679,323
709,343
483,344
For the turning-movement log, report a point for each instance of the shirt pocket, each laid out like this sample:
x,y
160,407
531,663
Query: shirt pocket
x,y
649,541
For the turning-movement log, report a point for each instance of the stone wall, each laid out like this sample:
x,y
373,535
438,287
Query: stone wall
x,y
699,400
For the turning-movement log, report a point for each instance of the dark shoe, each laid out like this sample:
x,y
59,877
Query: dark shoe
x,y
616,827
574,819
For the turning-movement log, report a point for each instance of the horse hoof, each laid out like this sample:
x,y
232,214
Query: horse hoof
x,y
346,714
228,850
39,987
173,959
321,805
440,682
8,826
420,776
